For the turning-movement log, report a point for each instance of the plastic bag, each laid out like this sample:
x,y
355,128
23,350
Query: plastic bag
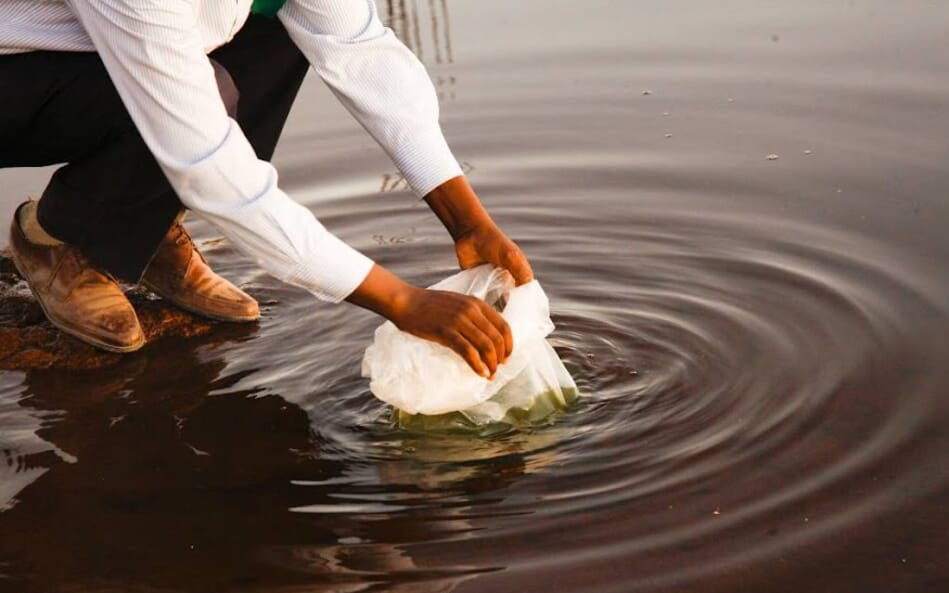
x,y
421,377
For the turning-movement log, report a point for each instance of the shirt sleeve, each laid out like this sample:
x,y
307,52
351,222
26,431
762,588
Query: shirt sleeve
x,y
154,55
379,80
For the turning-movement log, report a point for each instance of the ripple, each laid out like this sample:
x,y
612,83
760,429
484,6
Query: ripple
x,y
760,346
711,349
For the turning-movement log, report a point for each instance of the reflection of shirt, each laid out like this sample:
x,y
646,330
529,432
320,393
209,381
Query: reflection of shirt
x,y
155,52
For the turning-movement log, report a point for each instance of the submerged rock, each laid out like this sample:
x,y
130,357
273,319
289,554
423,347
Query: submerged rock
x,y
29,341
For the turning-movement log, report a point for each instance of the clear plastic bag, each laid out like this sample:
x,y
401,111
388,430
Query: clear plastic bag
x,y
421,377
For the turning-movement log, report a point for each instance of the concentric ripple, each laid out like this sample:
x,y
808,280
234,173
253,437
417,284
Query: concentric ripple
x,y
738,375
739,216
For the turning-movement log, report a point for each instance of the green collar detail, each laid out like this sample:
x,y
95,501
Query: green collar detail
x,y
267,7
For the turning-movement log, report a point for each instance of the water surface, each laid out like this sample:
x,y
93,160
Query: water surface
x,y
762,343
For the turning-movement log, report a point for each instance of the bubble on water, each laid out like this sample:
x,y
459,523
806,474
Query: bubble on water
x,y
668,135
808,151
772,157
666,114
647,92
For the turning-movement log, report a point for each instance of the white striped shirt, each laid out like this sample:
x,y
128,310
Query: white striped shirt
x,y
156,54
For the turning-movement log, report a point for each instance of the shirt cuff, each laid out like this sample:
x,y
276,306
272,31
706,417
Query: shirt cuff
x,y
426,162
339,270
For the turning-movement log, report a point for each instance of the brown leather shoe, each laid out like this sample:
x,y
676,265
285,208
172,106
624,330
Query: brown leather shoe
x,y
179,273
77,298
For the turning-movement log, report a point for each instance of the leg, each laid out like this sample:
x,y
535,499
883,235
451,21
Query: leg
x,y
110,204
43,126
268,70
111,199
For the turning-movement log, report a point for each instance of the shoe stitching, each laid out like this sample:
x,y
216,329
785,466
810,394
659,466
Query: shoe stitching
x,y
57,267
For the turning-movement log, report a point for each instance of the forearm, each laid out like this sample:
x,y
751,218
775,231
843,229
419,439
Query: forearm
x,y
478,240
383,293
455,203
379,80
467,325
155,57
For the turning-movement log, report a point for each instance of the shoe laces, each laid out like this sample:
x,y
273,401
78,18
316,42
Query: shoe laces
x,y
83,264
182,237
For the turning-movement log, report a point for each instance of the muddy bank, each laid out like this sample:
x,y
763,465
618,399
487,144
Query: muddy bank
x,y
29,341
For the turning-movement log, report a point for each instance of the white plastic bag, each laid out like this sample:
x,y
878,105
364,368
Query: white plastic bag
x,y
421,377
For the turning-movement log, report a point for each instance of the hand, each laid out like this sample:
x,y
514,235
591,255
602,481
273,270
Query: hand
x,y
477,239
465,324
487,244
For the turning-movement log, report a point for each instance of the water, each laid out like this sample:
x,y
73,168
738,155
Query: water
x,y
761,343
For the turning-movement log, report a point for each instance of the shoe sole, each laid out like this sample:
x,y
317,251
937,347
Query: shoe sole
x,y
61,325
196,311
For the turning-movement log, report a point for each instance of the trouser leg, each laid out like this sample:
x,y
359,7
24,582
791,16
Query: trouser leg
x,y
111,198
268,70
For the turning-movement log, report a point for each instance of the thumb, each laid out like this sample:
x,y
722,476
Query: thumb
x,y
515,262
468,256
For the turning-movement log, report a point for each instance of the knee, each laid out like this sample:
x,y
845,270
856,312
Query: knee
x,y
227,87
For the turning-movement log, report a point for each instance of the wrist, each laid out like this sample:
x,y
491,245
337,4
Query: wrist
x,y
384,293
456,204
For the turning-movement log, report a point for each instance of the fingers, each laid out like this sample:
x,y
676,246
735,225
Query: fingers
x,y
460,344
486,338
482,342
491,245
482,338
515,262
467,325
503,339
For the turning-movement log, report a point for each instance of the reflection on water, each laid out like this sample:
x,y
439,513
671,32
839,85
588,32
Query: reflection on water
x,y
186,481
404,17
24,455
432,44
761,343
395,182
425,27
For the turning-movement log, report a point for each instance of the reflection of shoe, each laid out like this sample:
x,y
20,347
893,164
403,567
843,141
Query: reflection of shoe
x,y
179,273
76,297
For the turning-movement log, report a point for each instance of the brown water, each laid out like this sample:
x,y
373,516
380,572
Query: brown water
x,y
762,344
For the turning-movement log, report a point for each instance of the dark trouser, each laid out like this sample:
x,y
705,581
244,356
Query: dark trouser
x,y
111,198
